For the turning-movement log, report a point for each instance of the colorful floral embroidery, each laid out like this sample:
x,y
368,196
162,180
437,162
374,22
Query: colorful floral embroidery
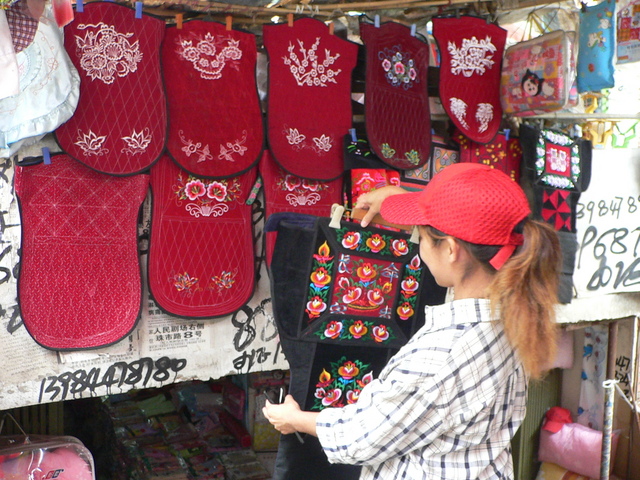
x,y
300,191
210,54
191,148
206,197
413,157
350,329
225,280
105,53
387,151
137,142
319,290
359,242
558,160
307,71
364,287
474,56
184,282
409,287
341,385
399,68
227,152
91,144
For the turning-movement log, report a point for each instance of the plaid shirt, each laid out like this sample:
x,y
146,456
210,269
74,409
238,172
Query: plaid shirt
x,y
446,405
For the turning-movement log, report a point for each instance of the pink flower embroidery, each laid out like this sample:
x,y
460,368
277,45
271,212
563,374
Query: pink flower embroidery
x,y
348,370
315,307
405,311
375,243
380,333
399,247
351,240
358,329
217,191
194,189
333,330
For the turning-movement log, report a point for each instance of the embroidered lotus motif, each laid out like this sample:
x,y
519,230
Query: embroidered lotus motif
x,y
307,70
91,143
137,142
210,54
105,53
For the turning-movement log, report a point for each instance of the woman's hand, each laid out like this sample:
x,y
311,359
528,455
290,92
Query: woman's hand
x,y
288,418
372,201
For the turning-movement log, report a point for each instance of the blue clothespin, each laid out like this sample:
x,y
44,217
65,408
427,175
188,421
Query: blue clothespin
x,y
79,6
376,21
46,156
413,29
354,137
138,9
507,132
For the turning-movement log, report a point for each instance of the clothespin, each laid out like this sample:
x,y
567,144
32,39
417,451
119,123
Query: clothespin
x,y
229,20
354,137
179,21
138,10
376,21
290,19
46,155
337,211
413,29
507,132
415,235
79,6
332,27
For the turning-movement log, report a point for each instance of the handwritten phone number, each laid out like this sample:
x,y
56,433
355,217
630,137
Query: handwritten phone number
x,y
603,208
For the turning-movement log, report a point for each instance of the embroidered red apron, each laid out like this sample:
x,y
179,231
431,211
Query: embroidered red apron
x,y
470,64
396,105
309,104
201,257
120,124
79,284
215,120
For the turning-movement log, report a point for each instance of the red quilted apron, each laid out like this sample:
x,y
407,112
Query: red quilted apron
x,y
470,65
215,119
309,97
79,284
201,256
396,105
119,126
284,192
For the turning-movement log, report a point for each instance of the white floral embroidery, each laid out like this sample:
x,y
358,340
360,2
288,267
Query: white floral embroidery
x,y
459,109
323,143
210,54
91,144
307,71
191,148
137,142
474,56
105,53
226,153
484,115
301,192
294,137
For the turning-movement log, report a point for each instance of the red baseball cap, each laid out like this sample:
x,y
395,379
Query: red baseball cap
x,y
469,201
555,418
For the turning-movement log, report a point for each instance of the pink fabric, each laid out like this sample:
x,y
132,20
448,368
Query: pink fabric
x,y
576,448
471,58
396,101
119,126
79,284
309,108
215,119
201,254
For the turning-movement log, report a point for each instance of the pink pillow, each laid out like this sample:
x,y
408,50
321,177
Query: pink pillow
x,y
576,448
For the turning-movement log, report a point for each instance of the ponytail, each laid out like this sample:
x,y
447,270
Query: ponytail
x,y
525,292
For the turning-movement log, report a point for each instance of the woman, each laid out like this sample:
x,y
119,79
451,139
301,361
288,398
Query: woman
x,y
449,402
